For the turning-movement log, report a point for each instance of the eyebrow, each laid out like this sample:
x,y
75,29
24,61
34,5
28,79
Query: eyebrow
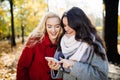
x,y
50,24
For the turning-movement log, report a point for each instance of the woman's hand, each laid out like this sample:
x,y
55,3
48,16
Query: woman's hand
x,y
66,63
52,63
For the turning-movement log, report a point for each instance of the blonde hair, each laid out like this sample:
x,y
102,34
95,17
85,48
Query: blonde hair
x,y
39,32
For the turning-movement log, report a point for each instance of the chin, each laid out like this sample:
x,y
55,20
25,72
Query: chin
x,y
54,37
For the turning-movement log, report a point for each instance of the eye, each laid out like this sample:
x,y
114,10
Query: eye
x,y
49,26
57,26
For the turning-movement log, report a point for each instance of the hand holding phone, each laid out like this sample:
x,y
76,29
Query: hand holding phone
x,y
53,63
51,59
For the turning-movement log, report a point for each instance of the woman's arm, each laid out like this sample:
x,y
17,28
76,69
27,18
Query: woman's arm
x,y
56,71
94,69
24,64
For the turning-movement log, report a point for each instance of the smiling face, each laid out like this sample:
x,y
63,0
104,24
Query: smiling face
x,y
67,28
53,28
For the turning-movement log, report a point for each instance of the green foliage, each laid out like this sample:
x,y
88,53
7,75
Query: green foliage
x,y
27,13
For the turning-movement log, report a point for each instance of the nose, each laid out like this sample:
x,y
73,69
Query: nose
x,y
53,29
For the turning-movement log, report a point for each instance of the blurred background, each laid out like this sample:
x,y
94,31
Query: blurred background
x,y
19,17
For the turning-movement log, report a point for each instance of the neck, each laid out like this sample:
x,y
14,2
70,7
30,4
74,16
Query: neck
x,y
53,41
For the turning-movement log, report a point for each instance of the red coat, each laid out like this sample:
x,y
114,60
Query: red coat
x,y
32,64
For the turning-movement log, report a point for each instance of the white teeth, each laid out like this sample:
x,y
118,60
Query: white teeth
x,y
52,35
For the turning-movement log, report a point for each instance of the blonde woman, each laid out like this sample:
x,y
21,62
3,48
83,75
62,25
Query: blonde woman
x,y
41,43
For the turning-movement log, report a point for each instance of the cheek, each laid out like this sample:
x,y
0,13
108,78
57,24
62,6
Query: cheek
x,y
58,30
48,30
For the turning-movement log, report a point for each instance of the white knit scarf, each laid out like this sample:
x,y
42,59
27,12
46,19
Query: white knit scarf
x,y
72,48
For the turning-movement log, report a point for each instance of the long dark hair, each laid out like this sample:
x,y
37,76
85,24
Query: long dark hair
x,y
85,31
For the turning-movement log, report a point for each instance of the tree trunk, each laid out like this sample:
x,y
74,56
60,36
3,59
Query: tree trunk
x,y
22,28
13,43
111,30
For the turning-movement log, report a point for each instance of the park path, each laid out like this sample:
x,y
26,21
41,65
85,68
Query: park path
x,y
8,64
114,72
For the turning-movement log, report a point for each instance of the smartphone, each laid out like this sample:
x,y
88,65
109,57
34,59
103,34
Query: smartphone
x,y
51,58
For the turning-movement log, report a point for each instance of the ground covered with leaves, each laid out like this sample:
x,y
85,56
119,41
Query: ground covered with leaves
x,y
9,58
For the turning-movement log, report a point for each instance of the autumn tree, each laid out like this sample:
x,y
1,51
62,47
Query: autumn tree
x,y
13,42
27,14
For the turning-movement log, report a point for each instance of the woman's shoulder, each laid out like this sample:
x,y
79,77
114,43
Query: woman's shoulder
x,y
85,45
100,47
32,42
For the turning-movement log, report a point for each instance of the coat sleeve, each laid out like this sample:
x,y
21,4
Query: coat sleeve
x,y
24,64
56,74
95,69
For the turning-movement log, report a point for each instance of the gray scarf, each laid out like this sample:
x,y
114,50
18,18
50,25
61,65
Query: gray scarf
x,y
72,48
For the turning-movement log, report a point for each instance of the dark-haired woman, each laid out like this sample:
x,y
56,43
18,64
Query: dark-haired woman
x,y
81,51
